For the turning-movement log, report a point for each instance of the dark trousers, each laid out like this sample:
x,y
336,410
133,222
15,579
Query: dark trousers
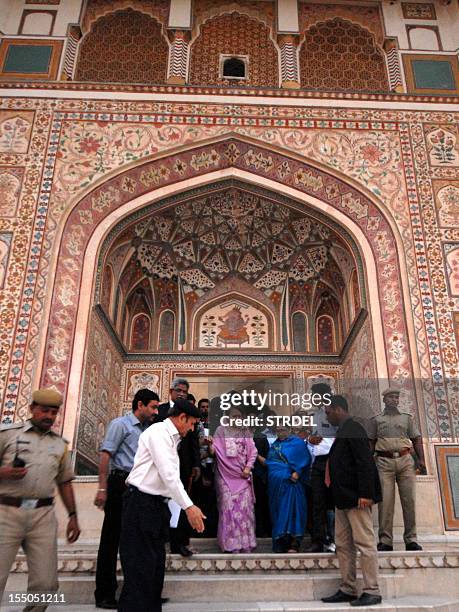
x,y
106,583
321,500
144,533
203,494
263,526
180,536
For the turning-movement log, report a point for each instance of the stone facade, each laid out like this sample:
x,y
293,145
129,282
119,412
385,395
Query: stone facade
x,y
97,296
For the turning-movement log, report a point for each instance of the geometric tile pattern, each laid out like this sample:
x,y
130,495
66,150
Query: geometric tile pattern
x,y
123,47
341,56
368,17
94,9
234,34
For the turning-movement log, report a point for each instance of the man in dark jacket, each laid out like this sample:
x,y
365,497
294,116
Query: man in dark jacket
x,y
354,482
190,466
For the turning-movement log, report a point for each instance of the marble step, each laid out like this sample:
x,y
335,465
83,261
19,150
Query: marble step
x,y
401,604
196,588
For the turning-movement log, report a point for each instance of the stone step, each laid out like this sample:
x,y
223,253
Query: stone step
x,y
401,604
259,577
79,589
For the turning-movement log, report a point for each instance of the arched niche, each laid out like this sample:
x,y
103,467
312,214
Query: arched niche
x,y
300,332
166,331
233,321
339,55
234,34
140,333
325,334
124,46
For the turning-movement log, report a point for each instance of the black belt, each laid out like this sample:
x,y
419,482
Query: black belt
x,y
320,458
121,473
25,502
160,498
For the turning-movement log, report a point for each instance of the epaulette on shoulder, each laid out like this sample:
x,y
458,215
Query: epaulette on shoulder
x,y
6,427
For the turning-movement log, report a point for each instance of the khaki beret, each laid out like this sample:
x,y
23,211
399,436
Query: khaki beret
x,y
47,397
390,390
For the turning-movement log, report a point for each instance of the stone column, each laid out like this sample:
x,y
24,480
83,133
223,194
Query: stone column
x,y
393,65
290,69
74,35
178,57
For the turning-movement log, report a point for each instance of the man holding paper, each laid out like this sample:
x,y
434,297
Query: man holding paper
x,y
153,481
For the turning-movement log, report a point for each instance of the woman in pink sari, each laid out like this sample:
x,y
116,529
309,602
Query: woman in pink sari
x,y
235,454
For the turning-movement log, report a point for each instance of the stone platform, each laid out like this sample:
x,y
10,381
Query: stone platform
x,y
212,581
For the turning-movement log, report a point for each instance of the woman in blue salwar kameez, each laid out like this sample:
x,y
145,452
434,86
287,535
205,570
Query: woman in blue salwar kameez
x,y
287,462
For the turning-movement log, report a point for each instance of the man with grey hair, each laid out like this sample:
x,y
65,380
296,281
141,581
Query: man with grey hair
x,y
190,465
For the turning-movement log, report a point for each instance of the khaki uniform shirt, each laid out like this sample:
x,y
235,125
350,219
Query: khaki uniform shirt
x,y
46,456
392,430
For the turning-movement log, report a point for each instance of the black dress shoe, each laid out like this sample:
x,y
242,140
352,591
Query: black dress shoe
x,y
366,599
384,547
413,546
339,597
164,600
315,547
182,550
107,604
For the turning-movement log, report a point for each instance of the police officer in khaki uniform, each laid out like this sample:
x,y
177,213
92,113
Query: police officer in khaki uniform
x,y
33,460
394,434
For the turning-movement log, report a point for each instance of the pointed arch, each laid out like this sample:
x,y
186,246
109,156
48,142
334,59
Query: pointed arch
x,y
244,159
340,55
123,46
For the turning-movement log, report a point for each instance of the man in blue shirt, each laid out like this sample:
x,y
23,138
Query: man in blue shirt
x,y
116,460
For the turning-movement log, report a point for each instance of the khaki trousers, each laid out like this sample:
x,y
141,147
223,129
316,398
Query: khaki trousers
x,y
36,530
402,472
354,532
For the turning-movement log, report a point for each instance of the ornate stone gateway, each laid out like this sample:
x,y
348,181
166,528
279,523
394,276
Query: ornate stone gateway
x,y
232,286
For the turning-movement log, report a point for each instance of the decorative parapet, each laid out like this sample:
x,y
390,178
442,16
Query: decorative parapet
x,y
178,57
74,35
393,65
290,69
85,563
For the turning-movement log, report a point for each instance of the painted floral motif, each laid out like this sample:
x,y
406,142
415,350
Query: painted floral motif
x,y
338,147
452,261
10,187
141,380
443,147
448,209
14,135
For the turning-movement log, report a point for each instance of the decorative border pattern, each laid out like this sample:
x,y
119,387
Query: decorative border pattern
x,y
450,516
84,563
302,94
429,304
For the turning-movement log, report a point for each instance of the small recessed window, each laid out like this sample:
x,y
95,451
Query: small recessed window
x,y
234,68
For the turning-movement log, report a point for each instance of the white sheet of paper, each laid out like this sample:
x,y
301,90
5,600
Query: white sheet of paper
x,y
175,512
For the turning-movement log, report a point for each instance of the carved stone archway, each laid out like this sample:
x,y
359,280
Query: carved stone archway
x,y
203,163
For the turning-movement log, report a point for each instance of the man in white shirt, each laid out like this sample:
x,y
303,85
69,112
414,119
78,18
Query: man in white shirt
x,y
154,479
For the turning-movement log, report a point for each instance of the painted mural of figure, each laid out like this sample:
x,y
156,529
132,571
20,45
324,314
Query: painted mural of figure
x,y
233,329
